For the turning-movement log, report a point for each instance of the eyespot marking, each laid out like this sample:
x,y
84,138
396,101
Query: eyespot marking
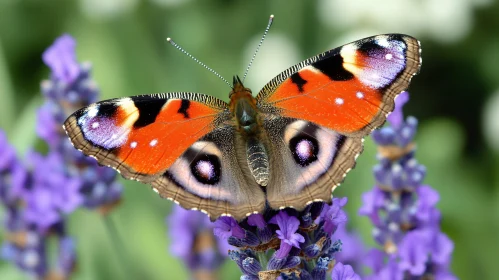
x,y
304,149
207,169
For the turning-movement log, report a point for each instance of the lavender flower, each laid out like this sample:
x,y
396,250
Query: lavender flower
x,y
70,88
352,250
344,272
288,225
39,194
285,244
13,175
194,243
402,209
51,192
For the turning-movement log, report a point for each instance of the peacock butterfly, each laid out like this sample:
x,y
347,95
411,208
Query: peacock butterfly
x,y
289,146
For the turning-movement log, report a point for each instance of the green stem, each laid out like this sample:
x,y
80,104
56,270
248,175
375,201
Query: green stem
x,y
262,258
119,247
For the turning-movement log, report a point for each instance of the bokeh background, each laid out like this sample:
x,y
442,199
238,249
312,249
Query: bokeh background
x,y
455,97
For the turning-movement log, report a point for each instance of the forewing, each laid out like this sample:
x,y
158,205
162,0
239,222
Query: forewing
x,y
350,89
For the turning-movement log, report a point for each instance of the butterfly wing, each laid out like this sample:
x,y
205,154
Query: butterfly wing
x,y
349,89
317,112
183,144
307,161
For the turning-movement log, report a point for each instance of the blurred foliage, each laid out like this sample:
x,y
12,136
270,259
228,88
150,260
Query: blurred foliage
x,y
125,42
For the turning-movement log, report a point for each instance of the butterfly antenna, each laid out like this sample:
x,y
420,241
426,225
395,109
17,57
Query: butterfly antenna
x,y
195,59
271,19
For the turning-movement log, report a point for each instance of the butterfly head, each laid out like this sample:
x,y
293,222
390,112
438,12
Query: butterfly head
x,y
243,107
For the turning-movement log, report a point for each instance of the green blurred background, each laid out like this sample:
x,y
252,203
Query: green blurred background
x,y
455,97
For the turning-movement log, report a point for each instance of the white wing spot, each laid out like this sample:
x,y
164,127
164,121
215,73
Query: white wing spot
x,y
93,111
155,190
153,142
388,56
133,144
339,101
383,41
359,95
95,125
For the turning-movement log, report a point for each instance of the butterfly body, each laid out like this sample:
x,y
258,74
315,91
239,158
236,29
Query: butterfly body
x,y
289,146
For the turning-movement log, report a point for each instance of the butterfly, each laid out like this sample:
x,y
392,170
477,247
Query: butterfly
x,y
289,146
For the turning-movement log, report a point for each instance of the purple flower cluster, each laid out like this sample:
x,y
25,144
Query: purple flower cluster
x,y
69,89
288,244
193,242
39,192
35,197
402,209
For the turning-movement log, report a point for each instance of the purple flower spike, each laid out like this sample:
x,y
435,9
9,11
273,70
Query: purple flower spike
x,y
372,201
352,249
403,210
391,271
441,247
344,272
257,220
413,253
300,244
13,174
333,215
288,225
188,228
183,225
263,231
52,192
396,118
374,259
428,198
61,59
226,227
39,194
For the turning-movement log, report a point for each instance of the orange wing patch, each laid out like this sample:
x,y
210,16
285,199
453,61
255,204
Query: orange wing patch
x,y
155,147
143,136
345,106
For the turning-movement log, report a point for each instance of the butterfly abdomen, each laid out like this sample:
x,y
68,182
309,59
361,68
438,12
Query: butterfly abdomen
x,y
258,161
